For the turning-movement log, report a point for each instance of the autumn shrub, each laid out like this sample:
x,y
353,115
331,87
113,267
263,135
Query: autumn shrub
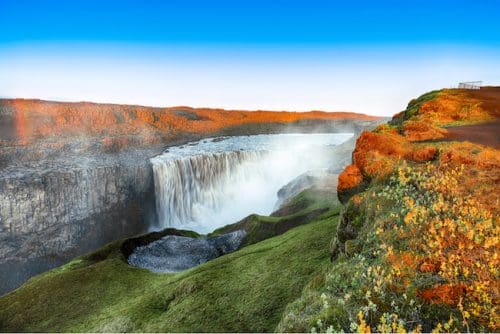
x,y
418,131
453,237
423,257
349,178
452,108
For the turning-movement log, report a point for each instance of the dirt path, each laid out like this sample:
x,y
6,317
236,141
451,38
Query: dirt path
x,y
489,97
485,134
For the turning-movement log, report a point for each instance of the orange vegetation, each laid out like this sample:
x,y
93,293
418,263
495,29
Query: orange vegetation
x,y
443,294
428,266
442,227
350,177
456,105
35,119
446,223
377,151
419,131
402,261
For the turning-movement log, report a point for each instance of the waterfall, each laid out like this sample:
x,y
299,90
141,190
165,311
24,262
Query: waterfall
x,y
186,185
204,185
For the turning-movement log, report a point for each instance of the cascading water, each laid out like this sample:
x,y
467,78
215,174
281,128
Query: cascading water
x,y
182,186
215,182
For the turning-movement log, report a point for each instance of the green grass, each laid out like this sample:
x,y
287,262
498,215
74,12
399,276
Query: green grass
x,y
245,291
307,206
413,107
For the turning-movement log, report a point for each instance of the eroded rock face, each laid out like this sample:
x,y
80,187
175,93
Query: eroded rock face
x,y
50,213
174,253
326,179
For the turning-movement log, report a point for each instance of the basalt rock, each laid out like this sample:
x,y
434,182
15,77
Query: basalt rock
x,y
311,179
52,213
174,253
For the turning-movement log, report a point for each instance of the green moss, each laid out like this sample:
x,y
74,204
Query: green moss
x,y
351,247
413,107
322,306
309,205
244,291
309,199
351,222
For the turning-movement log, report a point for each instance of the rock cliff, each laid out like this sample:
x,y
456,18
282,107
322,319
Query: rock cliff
x,y
52,214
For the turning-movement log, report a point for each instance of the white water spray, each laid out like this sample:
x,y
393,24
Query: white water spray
x,y
208,184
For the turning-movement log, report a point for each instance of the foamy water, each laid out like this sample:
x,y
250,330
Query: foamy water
x,y
207,184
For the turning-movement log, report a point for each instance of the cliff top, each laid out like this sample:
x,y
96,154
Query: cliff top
x,y
436,124
422,211
27,120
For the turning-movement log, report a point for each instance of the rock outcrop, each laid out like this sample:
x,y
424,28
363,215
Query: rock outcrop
x,y
174,253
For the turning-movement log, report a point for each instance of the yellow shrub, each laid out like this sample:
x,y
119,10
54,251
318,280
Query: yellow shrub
x,y
452,235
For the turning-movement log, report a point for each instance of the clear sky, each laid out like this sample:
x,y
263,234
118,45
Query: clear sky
x,y
363,56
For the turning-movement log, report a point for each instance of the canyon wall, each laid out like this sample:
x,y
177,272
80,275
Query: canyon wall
x,y
74,176
50,215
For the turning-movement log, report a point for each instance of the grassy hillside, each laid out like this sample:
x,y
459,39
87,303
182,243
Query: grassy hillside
x,y
303,208
244,291
417,245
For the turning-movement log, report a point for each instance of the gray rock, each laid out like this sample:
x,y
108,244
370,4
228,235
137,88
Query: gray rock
x,y
341,156
314,178
59,208
176,253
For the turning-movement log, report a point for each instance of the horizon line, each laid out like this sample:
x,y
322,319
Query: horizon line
x,y
173,107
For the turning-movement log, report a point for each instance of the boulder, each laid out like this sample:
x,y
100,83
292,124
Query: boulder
x,y
174,253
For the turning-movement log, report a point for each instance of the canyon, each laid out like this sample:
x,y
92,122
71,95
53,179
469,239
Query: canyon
x,y
402,225
74,176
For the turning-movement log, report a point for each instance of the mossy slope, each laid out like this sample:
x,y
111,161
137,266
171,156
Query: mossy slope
x,y
245,291
307,206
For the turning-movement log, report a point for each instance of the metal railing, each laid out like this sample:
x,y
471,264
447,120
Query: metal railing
x,y
470,85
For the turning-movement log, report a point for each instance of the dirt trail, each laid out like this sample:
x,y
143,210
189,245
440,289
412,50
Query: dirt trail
x,y
486,134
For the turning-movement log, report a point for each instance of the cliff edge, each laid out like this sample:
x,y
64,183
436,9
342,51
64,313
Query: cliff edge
x,y
416,246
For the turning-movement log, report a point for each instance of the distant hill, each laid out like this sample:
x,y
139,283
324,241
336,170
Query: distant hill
x,y
27,120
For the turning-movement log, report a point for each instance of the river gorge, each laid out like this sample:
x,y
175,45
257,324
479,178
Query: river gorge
x,y
64,193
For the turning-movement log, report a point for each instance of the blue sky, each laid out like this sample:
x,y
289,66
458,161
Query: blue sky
x,y
365,56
